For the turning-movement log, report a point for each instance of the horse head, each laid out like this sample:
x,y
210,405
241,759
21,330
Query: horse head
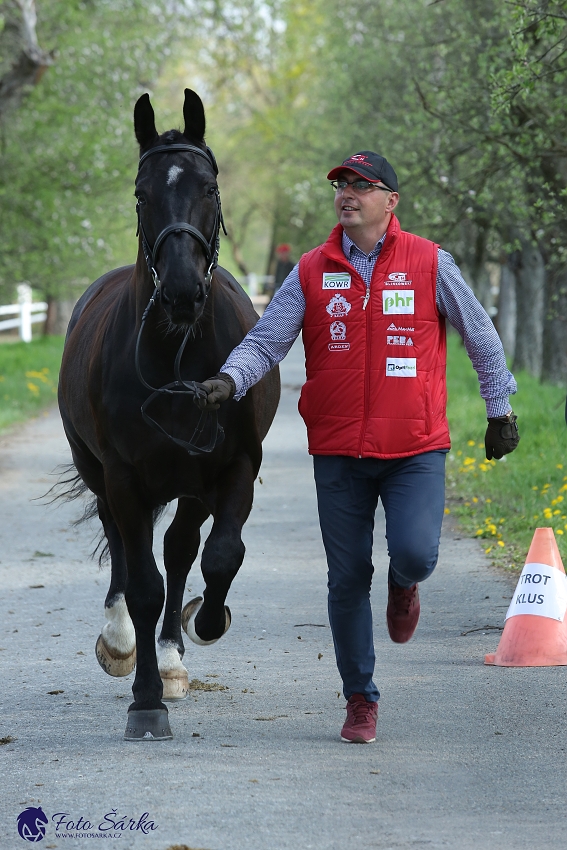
x,y
179,211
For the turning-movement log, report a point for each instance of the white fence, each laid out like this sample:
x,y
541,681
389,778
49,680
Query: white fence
x,y
26,312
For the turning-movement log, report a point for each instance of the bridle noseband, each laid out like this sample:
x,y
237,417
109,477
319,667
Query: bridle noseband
x,y
211,251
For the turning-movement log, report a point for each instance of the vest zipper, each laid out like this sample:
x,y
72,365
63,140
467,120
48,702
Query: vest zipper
x,y
368,358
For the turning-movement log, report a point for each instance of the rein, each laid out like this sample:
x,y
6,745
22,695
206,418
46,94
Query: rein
x,y
211,251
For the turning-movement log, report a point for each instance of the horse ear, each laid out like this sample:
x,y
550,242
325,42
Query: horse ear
x,y
194,114
144,121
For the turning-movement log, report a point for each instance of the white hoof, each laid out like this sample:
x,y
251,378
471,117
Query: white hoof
x,y
112,663
116,646
173,674
188,615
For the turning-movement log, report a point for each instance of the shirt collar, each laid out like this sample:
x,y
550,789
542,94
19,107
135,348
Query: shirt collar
x,y
349,246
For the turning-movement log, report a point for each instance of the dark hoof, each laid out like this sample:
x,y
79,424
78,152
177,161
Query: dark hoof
x,y
188,616
148,725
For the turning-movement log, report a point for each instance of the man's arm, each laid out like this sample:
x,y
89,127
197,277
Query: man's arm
x,y
270,339
457,302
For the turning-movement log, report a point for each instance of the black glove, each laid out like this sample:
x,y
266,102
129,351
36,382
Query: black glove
x,y
502,436
219,389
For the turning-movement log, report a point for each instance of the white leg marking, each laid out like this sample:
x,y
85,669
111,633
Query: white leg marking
x,y
174,675
118,633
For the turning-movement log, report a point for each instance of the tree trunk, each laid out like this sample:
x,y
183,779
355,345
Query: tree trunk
x,y
530,289
506,316
29,62
58,317
555,337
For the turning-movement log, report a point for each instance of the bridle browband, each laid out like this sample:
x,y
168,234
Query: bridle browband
x,y
211,251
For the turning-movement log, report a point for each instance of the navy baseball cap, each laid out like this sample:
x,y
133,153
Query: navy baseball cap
x,y
369,165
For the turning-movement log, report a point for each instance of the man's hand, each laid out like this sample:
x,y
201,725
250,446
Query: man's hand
x,y
502,436
219,389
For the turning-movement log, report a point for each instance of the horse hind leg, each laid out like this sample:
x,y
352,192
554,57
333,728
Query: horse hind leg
x,y
181,546
116,645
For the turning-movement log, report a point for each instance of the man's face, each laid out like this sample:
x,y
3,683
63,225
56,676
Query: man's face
x,y
362,209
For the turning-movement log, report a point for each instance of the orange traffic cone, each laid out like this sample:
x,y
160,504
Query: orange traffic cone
x,y
535,632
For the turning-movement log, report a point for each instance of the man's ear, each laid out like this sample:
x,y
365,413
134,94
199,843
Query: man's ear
x,y
392,202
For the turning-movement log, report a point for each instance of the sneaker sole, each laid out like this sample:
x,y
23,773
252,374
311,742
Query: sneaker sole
x,y
358,740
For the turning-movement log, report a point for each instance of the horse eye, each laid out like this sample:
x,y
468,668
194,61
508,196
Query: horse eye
x,y
212,191
140,199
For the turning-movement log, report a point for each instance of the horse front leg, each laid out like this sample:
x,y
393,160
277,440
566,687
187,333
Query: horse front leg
x,y
181,546
144,595
116,645
206,619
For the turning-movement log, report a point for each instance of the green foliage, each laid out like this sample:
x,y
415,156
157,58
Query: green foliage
x,y
503,502
69,154
28,377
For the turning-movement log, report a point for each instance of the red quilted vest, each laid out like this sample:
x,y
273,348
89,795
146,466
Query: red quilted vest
x,y
375,359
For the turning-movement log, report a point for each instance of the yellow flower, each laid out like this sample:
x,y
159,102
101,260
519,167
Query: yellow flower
x,y
468,461
558,531
488,501
488,550
470,443
33,388
479,531
447,510
556,512
501,543
535,488
475,500
559,466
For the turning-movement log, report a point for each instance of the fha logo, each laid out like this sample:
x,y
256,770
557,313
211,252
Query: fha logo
x,y
397,302
338,331
338,306
32,823
398,279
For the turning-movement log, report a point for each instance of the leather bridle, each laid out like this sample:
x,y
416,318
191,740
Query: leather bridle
x,y
211,251
210,248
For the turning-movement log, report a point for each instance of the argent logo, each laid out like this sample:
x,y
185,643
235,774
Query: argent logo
x,y
32,823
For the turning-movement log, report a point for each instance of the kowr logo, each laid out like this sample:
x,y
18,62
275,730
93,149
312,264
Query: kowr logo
x,y
397,302
401,367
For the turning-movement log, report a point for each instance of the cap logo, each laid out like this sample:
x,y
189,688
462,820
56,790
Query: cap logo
x,y
358,157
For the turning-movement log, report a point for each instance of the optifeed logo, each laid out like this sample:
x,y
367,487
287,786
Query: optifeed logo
x,y
401,367
397,301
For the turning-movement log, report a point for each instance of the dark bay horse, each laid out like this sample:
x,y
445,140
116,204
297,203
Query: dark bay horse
x,y
168,321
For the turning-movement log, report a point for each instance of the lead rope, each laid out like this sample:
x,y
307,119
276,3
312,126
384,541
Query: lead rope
x,y
179,387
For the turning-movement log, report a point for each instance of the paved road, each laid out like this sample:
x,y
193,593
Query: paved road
x,y
468,757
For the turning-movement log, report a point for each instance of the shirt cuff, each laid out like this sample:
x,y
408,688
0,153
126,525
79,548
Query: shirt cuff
x,y
238,381
496,407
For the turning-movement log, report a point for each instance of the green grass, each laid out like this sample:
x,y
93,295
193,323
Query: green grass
x,y
28,378
503,502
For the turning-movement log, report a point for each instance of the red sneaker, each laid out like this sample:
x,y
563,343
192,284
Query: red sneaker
x,y
360,725
402,612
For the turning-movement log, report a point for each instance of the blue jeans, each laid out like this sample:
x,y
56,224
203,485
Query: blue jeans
x,y
412,490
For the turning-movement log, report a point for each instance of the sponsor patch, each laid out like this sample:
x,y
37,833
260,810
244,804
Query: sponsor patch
x,y
394,302
336,280
397,279
338,306
394,327
339,346
401,367
338,331
399,340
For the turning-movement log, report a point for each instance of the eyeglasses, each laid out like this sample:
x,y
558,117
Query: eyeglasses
x,y
360,186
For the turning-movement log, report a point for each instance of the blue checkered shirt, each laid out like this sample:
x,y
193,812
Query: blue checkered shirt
x,y
271,339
